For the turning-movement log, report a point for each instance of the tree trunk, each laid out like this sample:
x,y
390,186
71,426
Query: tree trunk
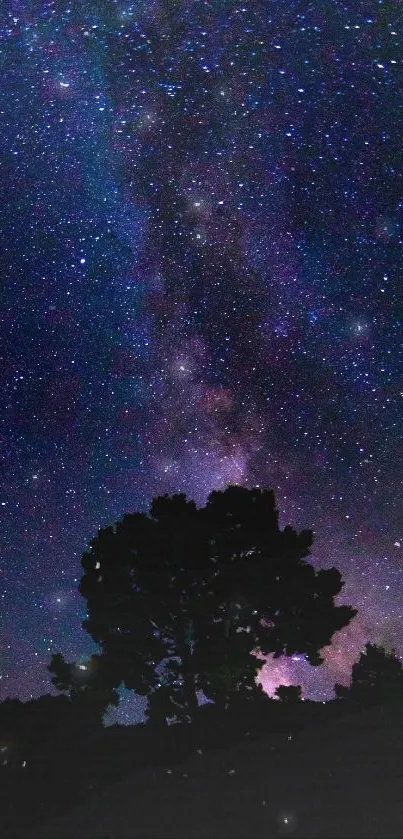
x,y
189,682
189,687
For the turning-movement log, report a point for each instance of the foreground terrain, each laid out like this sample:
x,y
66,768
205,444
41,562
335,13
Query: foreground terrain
x,y
339,777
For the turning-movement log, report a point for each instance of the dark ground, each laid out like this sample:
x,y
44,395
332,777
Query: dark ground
x,y
338,778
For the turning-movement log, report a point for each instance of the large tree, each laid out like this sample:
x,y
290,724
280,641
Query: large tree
x,y
180,600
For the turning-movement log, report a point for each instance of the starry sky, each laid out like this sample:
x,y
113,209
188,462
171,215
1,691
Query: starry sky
x,y
201,234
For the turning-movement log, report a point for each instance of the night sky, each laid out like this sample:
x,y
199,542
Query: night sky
x,y
201,236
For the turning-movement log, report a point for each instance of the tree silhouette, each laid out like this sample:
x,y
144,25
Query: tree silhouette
x,y
291,694
194,593
89,685
377,677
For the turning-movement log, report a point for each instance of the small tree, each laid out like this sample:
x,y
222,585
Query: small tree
x,y
377,678
89,685
289,694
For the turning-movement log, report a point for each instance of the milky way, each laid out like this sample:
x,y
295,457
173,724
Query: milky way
x,y
201,233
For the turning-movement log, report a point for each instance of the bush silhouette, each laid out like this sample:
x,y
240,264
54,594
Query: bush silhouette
x,y
377,678
290,694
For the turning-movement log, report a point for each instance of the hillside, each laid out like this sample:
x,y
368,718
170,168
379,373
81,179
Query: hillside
x,y
339,778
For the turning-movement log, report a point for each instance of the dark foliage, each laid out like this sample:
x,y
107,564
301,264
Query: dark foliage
x,y
289,693
88,685
42,726
377,678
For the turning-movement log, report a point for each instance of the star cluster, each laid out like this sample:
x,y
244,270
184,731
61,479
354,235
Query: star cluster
x,y
201,238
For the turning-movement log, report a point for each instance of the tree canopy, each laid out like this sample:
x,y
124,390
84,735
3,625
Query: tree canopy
x,y
181,599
